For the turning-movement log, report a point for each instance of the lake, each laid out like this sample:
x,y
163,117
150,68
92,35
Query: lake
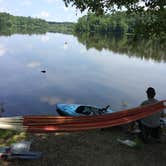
x,y
75,73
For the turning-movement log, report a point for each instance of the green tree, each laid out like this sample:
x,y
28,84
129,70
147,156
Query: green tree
x,y
151,14
105,24
26,25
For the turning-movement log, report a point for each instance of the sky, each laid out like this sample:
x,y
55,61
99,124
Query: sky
x,y
50,10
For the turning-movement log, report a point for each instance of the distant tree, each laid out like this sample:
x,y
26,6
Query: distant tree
x,y
116,23
27,25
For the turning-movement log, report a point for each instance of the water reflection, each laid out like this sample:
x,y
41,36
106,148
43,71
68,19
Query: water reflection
x,y
2,110
33,64
2,50
53,100
65,46
45,38
144,49
8,31
74,75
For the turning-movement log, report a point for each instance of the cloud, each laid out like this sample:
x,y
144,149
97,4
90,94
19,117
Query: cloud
x,y
27,3
65,46
65,8
70,19
70,101
2,50
52,100
44,14
45,39
83,50
2,9
11,11
50,1
33,64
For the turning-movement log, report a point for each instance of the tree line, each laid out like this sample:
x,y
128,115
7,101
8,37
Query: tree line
x,y
139,24
115,23
149,15
122,23
10,24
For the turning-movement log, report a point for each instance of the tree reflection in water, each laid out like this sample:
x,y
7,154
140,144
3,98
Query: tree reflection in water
x,y
144,49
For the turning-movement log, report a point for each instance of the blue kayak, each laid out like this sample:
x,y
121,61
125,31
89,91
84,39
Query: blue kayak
x,y
81,110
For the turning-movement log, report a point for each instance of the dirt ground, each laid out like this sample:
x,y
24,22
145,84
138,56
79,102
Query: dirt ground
x,y
92,148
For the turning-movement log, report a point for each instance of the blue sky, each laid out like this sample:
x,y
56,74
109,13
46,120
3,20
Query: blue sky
x,y
51,10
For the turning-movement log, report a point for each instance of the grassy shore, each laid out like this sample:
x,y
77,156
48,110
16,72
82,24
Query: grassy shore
x,y
90,148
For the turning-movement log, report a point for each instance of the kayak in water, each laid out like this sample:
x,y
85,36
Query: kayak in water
x,y
81,110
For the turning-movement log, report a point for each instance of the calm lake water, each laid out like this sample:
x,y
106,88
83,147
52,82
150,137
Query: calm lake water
x,y
74,74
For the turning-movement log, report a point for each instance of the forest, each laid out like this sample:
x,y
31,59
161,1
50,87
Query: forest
x,y
140,25
115,23
10,24
120,23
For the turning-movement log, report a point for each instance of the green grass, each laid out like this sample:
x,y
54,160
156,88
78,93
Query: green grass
x,y
8,137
